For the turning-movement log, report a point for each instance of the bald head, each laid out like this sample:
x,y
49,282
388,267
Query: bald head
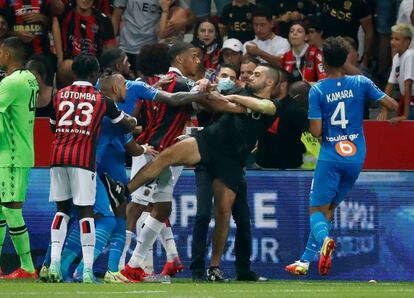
x,y
113,86
300,91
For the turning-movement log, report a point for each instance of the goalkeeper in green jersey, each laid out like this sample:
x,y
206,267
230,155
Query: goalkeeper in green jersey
x,y
18,95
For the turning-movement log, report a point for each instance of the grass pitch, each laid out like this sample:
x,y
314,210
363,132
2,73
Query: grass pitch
x,y
185,288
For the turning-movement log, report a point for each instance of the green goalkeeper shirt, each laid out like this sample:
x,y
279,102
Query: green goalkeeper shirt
x,y
18,95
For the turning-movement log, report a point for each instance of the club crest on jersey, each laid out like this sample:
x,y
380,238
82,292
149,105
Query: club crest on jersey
x,y
190,83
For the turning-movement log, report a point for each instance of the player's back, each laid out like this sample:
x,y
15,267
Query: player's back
x,y
19,93
79,110
339,103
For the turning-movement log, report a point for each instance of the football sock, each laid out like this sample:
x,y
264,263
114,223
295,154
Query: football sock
x,y
311,249
103,230
319,227
140,222
128,238
3,228
146,239
20,236
71,251
148,263
167,240
87,237
58,233
116,244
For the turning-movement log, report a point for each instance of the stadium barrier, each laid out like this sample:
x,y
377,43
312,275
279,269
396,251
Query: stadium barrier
x,y
372,227
389,146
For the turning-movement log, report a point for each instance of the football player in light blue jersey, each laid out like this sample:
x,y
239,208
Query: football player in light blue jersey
x,y
336,106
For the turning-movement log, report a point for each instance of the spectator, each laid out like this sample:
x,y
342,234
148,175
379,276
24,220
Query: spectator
x,y
406,16
248,64
138,19
4,25
232,53
202,8
386,15
207,31
303,61
39,66
31,21
200,73
172,22
343,18
402,73
353,51
285,12
281,147
236,20
84,30
315,32
267,46
101,5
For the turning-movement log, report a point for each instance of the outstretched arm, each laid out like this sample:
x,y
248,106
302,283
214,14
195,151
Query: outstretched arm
x,y
179,98
219,103
263,106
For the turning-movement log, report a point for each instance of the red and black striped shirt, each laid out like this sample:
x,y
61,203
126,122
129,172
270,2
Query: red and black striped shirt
x,y
145,109
77,115
85,34
17,9
168,122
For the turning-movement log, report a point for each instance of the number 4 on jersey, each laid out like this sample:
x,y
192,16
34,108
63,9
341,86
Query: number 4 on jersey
x,y
339,110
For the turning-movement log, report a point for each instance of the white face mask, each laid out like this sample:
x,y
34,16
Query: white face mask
x,y
225,84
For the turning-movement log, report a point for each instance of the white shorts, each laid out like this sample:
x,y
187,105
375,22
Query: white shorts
x,y
72,183
161,189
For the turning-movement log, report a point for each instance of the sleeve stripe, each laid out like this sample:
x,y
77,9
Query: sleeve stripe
x,y
117,119
314,118
52,121
381,98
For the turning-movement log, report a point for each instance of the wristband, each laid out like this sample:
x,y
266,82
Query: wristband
x,y
145,149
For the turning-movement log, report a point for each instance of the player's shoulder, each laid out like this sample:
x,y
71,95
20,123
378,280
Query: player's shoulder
x,y
184,84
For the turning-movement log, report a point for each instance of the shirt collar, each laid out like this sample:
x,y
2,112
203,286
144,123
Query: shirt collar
x,y
176,70
82,83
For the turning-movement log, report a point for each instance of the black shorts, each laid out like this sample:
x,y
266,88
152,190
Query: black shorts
x,y
219,166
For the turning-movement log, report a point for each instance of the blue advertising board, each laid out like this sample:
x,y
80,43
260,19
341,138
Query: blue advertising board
x,y
373,226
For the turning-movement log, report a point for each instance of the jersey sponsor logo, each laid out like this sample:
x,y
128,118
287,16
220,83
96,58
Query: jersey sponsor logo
x,y
72,130
345,94
345,148
340,15
350,137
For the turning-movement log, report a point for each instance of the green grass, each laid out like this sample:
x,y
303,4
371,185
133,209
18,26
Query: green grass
x,y
184,288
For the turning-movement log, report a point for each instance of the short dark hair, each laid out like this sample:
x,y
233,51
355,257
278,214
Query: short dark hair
x,y
110,57
41,65
17,47
335,51
263,12
177,49
272,72
227,65
247,59
153,59
84,66
199,44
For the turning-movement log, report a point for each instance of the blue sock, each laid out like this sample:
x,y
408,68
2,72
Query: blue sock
x,y
117,243
71,251
311,250
319,227
47,259
103,229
